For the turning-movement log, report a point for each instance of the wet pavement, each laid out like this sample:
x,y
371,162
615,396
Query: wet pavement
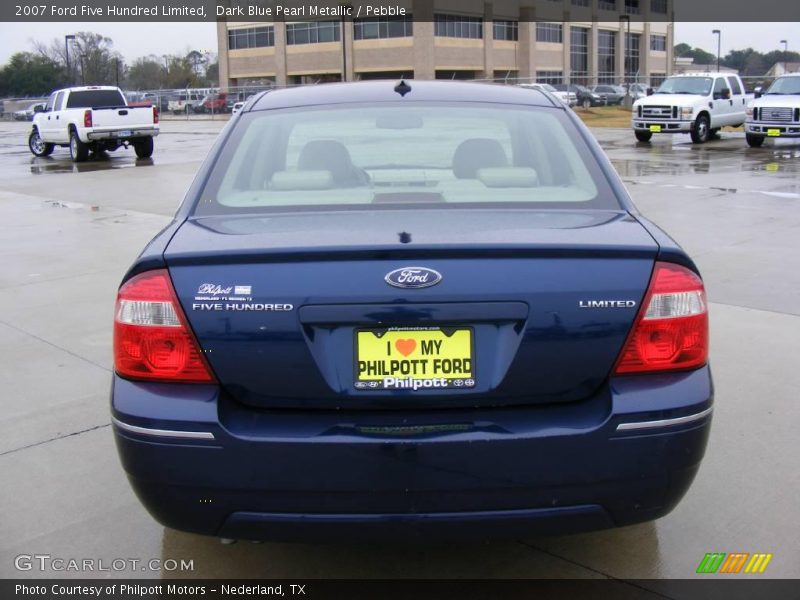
x,y
69,232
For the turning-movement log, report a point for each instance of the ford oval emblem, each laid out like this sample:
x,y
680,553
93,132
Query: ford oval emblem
x,y
413,277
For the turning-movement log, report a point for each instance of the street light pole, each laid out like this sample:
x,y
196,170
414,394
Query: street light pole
x,y
67,39
719,45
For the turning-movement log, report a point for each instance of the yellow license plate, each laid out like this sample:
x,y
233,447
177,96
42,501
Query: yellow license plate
x,y
655,128
773,132
415,359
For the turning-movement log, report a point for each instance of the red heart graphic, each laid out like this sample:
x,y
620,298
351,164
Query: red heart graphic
x,y
405,347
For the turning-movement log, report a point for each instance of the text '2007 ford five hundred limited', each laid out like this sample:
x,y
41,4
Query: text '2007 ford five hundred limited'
x,y
414,310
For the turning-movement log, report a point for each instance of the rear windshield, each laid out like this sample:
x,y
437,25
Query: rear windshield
x,y
95,99
406,154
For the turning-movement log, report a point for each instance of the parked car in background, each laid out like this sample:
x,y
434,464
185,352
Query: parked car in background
x,y
27,114
635,90
610,94
568,98
215,103
695,103
583,95
93,119
186,103
528,355
776,112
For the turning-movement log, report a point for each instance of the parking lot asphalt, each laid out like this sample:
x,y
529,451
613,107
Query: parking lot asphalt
x,y
69,233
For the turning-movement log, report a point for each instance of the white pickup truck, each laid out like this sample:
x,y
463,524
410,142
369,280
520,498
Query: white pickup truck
x,y
698,104
776,113
92,118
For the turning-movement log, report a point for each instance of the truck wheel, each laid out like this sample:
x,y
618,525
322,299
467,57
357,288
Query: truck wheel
x,y
37,146
643,136
754,141
143,147
701,130
78,151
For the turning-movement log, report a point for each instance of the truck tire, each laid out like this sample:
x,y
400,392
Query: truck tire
x,y
701,130
143,147
78,151
37,146
643,136
754,141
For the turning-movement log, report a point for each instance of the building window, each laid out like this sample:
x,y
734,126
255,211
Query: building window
x,y
658,6
632,7
656,79
579,54
606,56
551,77
383,27
658,42
549,32
456,26
312,32
252,37
506,30
607,5
581,2
632,52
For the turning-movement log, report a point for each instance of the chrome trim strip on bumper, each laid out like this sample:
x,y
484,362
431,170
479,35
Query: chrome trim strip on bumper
x,y
665,422
192,435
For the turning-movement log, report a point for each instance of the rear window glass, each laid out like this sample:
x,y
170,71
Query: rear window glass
x,y
410,154
95,99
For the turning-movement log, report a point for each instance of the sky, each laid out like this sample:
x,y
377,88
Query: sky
x,y
133,40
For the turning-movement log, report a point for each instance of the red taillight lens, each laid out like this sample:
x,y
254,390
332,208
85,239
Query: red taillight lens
x,y
87,118
671,330
155,115
152,339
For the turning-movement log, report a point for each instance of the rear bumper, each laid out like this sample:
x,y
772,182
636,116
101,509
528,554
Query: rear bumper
x,y
674,126
763,128
202,463
114,134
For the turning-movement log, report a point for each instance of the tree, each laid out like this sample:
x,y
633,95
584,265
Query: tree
x,y
93,59
146,73
28,74
212,74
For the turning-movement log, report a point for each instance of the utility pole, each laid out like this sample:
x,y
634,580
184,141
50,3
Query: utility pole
x,y
719,45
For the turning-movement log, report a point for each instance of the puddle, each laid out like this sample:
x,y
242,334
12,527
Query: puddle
x,y
101,162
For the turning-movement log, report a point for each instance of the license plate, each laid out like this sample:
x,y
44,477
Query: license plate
x,y
655,128
126,133
415,359
773,132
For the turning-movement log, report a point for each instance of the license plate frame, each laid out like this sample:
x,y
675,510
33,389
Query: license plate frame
x,y
125,133
395,363
773,132
655,128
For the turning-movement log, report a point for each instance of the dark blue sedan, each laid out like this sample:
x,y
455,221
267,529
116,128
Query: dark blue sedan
x,y
415,310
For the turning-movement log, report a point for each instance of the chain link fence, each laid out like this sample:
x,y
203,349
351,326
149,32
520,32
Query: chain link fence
x,y
214,103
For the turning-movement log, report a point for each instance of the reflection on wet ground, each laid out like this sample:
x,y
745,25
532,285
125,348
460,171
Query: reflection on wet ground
x,y
95,162
771,170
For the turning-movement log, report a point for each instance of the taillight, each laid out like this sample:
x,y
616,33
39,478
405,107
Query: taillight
x,y
152,339
155,115
671,330
87,118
